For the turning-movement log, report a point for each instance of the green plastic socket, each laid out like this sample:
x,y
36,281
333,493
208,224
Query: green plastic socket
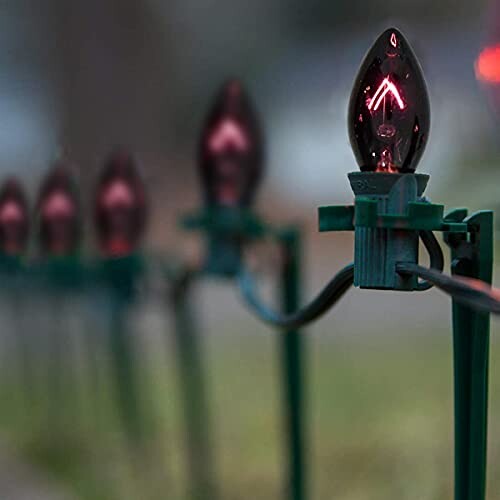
x,y
226,229
377,250
388,214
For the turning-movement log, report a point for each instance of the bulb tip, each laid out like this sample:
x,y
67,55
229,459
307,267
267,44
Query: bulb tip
x,y
120,163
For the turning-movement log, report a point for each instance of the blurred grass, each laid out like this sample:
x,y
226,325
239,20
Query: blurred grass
x,y
380,418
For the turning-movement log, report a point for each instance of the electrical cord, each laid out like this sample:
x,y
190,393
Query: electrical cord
x,y
326,299
436,258
468,291
330,294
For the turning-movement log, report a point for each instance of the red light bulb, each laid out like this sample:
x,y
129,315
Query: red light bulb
x,y
487,64
120,207
14,218
389,111
230,151
59,214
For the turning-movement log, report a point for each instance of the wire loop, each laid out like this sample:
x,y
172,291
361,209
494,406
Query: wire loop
x,y
326,299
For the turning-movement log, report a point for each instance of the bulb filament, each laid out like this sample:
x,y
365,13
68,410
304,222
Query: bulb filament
x,y
228,133
385,87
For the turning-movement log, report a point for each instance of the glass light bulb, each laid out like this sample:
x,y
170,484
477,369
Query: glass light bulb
x,y
14,218
231,151
120,208
59,213
389,111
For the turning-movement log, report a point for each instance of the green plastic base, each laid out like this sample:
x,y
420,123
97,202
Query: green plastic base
x,y
226,230
61,273
387,216
378,250
224,255
121,274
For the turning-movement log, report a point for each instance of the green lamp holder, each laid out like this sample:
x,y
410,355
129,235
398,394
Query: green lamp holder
x,y
226,229
388,213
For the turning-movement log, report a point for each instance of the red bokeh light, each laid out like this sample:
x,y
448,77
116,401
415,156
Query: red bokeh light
x,y
488,65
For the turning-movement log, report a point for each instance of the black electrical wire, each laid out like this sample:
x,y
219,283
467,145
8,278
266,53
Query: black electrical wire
x,y
331,294
436,258
468,291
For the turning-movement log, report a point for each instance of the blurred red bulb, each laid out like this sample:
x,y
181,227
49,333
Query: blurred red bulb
x,y
14,218
488,65
230,151
120,206
58,209
389,111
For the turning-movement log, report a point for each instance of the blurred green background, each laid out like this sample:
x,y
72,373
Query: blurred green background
x,y
81,77
379,412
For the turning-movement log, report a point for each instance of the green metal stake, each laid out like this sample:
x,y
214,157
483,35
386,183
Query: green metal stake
x,y
120,274
12,273
227,230
200,459
292,349
471,242
471,257
61,276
